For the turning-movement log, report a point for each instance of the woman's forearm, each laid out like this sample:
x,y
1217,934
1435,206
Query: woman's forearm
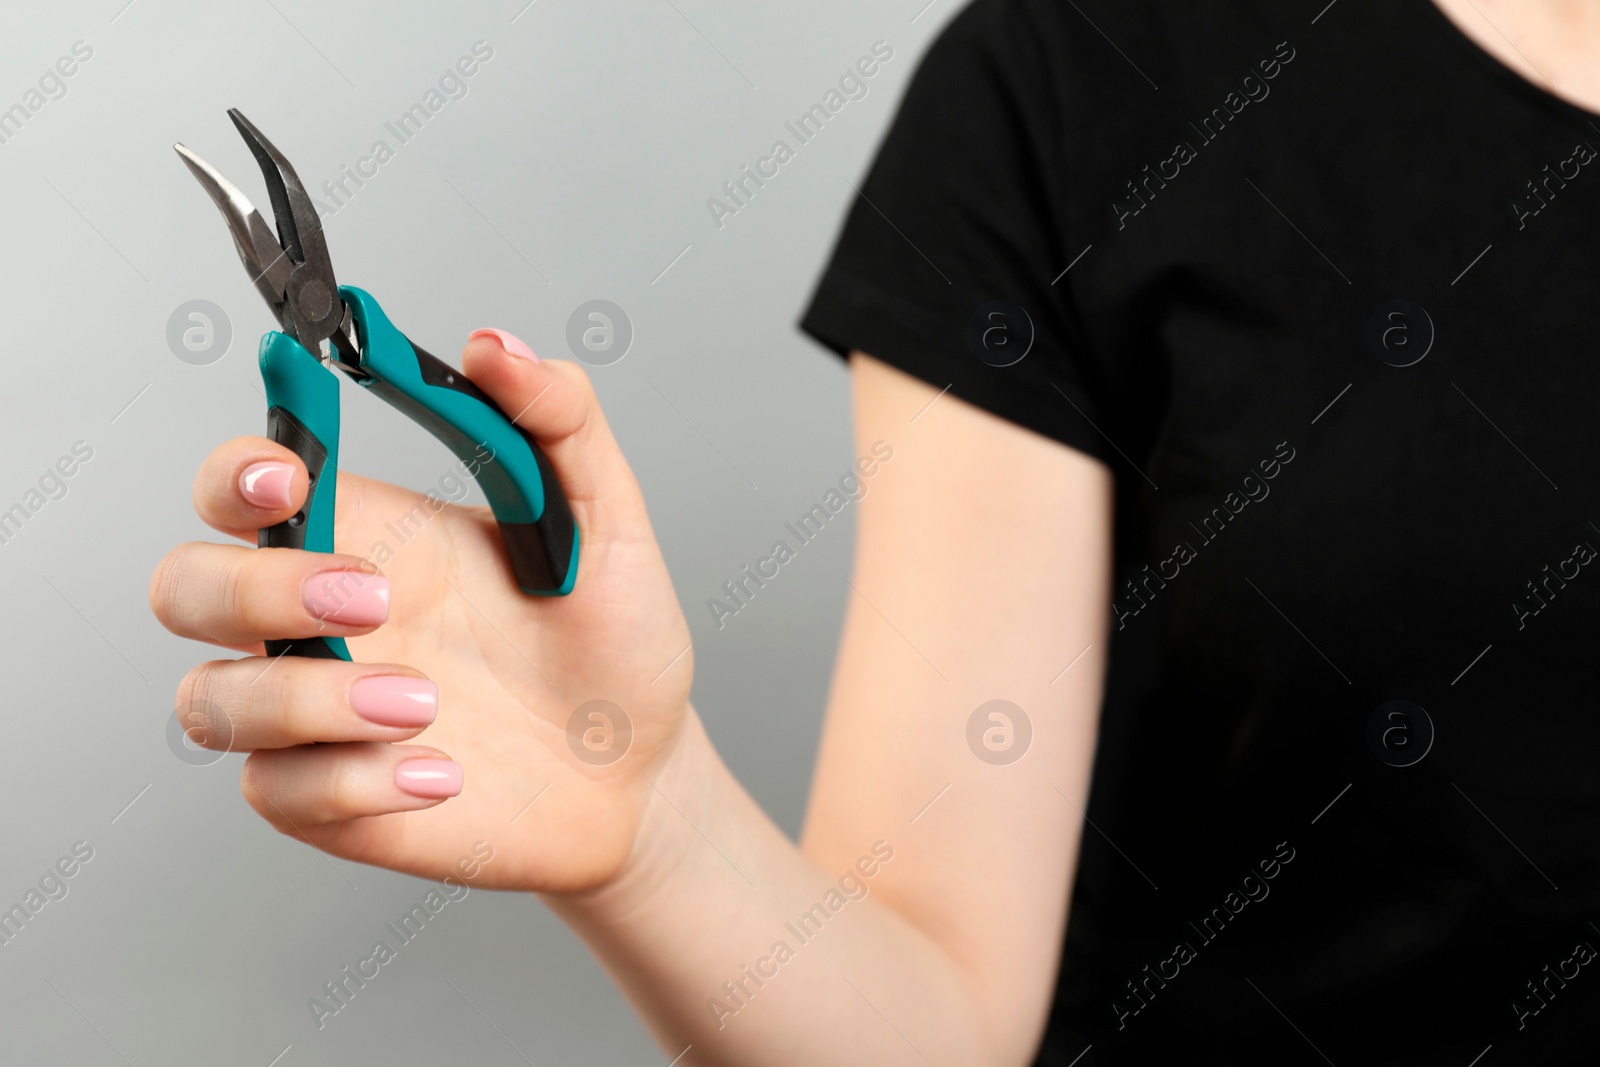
x,y
726,938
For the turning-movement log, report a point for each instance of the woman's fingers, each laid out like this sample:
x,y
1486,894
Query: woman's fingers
x,y
295,789
554,401
242,705
230,595
319,734
248,484
251,483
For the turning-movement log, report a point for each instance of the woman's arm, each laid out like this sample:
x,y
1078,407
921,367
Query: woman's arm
x,y
981,572
981,575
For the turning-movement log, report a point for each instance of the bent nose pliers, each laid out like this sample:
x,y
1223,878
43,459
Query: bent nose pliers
x,y
295,276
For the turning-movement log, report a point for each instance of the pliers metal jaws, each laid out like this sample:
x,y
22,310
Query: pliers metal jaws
x,y
292,271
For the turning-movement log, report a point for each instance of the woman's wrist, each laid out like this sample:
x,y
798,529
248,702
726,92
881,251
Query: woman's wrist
x,y
674,797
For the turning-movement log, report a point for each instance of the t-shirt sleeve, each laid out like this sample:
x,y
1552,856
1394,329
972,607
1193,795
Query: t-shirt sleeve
x,y
947,263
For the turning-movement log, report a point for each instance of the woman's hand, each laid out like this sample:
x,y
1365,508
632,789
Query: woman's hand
x,y
351,757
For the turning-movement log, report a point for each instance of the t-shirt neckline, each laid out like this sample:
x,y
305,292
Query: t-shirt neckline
x,y
1485,60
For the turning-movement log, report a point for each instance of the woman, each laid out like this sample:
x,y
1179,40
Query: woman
x,y
1229,357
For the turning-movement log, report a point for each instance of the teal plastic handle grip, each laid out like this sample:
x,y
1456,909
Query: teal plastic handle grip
x,y
536,523
303,416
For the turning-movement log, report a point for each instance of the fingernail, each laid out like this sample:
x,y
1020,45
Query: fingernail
x,y
348,597
430,778
266,485
513,344
395,700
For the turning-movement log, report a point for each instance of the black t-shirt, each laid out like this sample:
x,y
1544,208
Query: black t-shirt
x,y
1318,283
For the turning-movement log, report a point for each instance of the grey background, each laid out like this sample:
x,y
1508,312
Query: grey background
x,y
584,151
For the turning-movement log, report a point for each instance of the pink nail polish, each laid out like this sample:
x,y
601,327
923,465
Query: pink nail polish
x,y
348,597
395,700
513,344
429,778
266,484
